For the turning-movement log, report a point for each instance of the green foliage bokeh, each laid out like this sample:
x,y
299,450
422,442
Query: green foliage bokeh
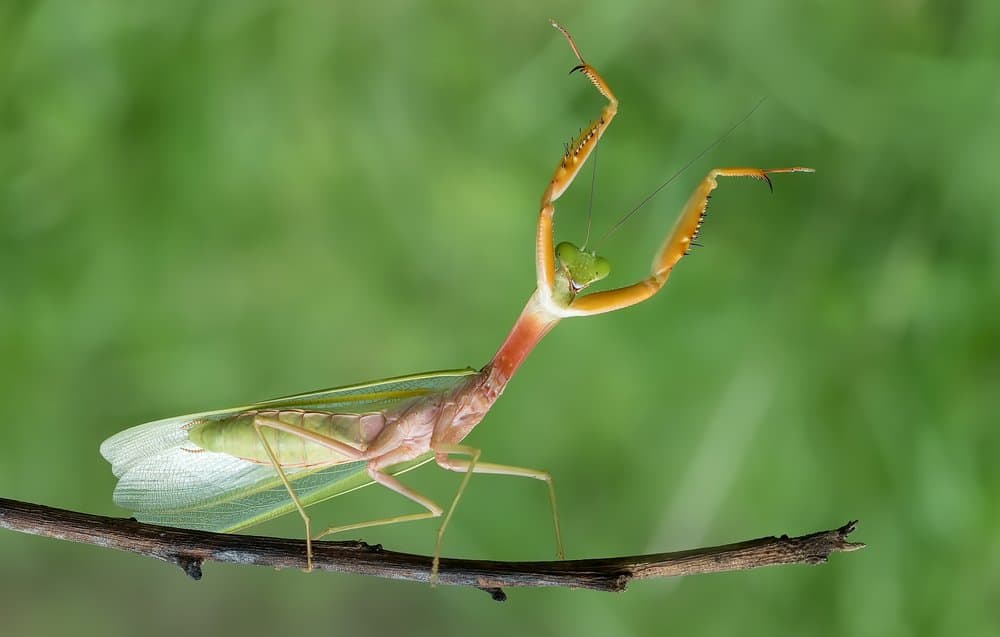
x,y
205,204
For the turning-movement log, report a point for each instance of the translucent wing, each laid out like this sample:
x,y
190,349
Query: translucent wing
x,y
166,479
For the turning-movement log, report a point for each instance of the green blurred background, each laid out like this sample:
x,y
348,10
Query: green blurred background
x,y
205,204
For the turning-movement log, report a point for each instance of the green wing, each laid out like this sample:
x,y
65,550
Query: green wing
x,y
166,479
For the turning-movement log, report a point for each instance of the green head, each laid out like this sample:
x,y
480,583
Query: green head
x,y
581,267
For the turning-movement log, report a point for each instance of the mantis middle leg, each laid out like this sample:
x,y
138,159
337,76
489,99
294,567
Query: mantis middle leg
x,y
472,465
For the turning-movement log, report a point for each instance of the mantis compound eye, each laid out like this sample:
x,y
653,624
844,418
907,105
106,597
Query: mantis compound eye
x,y
566,252
602,268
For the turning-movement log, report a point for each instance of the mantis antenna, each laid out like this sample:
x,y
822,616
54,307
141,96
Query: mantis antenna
x,y
618,224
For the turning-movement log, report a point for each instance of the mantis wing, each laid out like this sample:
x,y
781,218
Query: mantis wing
x,y
167,479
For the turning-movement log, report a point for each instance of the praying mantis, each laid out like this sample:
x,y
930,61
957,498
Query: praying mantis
x,y
228,469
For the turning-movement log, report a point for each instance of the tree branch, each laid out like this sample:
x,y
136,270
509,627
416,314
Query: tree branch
x,y
189,549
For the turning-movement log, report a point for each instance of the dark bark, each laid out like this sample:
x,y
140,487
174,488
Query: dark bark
x,y
190,549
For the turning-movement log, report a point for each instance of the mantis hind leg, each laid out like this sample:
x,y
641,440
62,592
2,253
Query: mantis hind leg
x,y
288,487
273,423
389,482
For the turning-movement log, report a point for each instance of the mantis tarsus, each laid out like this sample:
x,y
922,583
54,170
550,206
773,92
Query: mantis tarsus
x,y
225,470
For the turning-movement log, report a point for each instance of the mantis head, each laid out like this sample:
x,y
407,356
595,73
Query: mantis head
x,y
581,267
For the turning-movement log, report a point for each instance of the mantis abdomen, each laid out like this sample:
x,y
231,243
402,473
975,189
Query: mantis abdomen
x,y
238,435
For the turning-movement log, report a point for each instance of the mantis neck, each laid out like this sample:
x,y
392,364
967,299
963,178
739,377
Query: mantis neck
x,y
534,323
